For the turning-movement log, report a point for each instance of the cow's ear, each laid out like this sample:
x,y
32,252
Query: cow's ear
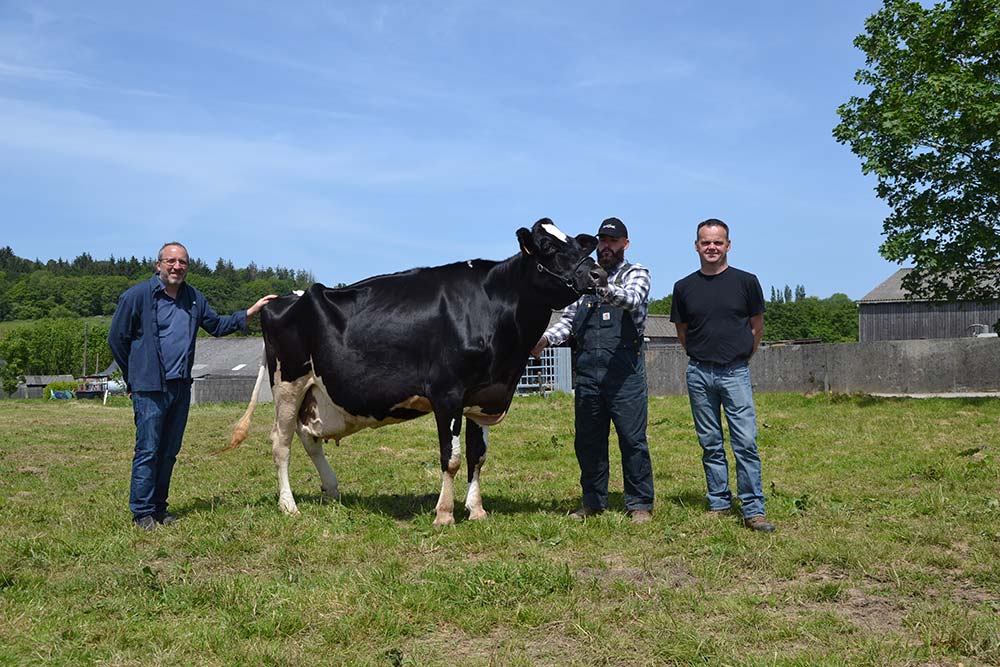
x,y
527,242
587,241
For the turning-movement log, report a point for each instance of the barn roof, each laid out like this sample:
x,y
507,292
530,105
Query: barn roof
x,y
233,356
42,380
890,290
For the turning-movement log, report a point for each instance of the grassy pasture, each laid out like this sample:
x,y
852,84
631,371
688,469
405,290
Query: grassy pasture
x,y
887,550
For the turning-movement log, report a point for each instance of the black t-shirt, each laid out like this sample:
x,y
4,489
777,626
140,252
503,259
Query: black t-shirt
x,y
717,310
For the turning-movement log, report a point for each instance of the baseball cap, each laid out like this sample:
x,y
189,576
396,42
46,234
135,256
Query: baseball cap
x,y
614,228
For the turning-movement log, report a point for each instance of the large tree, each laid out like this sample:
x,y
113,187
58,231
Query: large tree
x,y
929,129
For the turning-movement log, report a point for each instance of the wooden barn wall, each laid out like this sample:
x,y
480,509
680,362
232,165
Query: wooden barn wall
x,y
911,321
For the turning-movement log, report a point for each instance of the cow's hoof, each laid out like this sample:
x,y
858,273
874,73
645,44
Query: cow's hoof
x,y
332,495
288,507
478,514
443,520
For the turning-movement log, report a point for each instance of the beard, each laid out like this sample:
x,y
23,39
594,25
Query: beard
x,y
609,259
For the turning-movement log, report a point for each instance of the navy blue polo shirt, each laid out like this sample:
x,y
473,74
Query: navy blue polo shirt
x,y
173,328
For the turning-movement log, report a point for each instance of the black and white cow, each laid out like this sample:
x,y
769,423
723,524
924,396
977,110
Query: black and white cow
x,y
450,340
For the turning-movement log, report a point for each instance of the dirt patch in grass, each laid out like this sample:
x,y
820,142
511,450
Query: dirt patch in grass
x,y
548,644
870,612
667,573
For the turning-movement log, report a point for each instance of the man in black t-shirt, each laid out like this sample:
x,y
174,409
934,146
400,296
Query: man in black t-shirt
x,y
719,313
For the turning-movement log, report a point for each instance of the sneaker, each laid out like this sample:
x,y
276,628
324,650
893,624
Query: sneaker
x,y
641,516
165,518
146,523
583,512
758,523
718,514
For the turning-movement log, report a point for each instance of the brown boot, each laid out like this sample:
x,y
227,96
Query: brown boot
x,y
758,523
641,516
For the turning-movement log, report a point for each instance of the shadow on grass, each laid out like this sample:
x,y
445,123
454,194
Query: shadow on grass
x,y
407,506
867,400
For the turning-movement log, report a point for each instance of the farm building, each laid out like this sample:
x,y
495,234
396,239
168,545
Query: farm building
x,y
225,370
34,385
886,314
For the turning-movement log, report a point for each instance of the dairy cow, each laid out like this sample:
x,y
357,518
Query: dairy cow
x,y
449,340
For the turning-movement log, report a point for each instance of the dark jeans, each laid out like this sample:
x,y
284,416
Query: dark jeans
x,y
611,387
160,418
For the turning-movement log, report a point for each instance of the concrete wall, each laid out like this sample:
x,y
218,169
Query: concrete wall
x,y
905,366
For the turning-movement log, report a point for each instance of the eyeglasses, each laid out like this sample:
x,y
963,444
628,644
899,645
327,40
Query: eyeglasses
x,y
172,261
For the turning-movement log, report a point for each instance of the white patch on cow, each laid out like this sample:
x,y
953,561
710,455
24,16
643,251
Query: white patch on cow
x,y
298,292
469,262
445,508
287,399
456,453
473,497
332,421
476,414
415,402
555,231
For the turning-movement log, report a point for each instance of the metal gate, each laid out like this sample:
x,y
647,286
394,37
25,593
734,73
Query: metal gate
x,y
553,372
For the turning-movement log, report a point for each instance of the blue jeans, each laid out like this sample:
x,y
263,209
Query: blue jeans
x,y
160,418
711,386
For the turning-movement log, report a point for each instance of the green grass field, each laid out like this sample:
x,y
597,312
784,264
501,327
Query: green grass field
x,y
887,550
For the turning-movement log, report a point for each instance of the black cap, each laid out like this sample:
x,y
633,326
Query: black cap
x,y
614,228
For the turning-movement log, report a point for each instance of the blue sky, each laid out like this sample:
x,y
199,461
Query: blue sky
x,y
356,138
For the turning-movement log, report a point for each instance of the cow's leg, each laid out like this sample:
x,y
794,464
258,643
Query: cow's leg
x,y
476,440
449,425
287,398
328,479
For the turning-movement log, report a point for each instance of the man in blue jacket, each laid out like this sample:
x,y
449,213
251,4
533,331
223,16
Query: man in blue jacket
x,y
152,339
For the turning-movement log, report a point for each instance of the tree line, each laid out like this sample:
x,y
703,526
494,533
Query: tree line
x,y
85,287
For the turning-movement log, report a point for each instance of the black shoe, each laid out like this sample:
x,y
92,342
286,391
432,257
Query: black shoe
x,y
146,523
758,523
583,512
164,518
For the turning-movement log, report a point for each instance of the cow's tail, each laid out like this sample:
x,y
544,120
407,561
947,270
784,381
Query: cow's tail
x,y
243,425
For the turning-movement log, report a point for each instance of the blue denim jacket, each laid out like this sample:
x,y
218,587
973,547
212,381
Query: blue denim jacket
x,y
133,337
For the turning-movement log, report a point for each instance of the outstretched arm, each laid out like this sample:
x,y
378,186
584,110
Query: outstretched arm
x,y
254,309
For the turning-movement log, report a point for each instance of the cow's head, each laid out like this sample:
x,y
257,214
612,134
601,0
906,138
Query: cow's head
x,y
563,261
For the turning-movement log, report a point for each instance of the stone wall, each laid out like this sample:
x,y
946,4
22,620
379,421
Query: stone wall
x,y
889,367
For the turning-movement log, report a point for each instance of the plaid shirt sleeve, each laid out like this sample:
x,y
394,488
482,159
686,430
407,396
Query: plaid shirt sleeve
x,y
559,332
633,292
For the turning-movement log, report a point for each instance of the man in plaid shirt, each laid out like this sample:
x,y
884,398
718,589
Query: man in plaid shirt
x,y
607,328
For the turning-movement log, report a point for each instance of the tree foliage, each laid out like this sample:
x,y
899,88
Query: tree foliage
x,y
52,346
661,306
83,287
928,129
832,320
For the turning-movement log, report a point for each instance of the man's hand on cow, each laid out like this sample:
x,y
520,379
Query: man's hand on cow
x,y
542,343
599,276
254,309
